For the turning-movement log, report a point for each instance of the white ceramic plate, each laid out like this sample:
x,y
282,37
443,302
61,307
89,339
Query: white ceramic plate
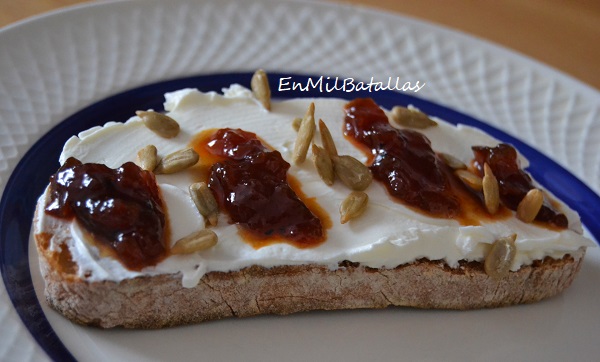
x,y
54,65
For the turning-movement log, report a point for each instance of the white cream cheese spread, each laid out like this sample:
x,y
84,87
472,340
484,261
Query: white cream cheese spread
x,y
386,235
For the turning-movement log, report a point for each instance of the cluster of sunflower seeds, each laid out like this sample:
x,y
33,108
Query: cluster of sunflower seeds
x,y
329,165
527,209
353,173
167,127
202,197
147,159
206,204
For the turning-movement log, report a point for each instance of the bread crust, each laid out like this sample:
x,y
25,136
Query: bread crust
x,y
161,301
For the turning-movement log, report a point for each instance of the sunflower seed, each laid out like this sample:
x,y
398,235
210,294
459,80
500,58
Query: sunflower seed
x,y
205,202
411,118
491,193
452,162
352,172
304,136
530,206
500,257
147,158
323,164
198,241
326,139
296,123
353,206
469,179
260,88
159,123
177,161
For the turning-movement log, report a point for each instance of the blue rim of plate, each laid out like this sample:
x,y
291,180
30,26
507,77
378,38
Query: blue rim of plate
x,y
31,174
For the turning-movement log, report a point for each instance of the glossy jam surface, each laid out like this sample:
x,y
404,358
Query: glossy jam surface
x,y
513,182
250,183
403,160
120,208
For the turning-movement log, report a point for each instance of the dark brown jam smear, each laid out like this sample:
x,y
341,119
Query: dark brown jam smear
x,y
513,182
250,184
120,208
403,160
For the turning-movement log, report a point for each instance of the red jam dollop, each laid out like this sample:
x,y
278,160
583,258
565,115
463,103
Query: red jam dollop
x,y
250,184
403,160
120,208
513,182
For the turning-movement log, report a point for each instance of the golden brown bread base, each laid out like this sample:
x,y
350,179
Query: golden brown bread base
x,y
161,301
